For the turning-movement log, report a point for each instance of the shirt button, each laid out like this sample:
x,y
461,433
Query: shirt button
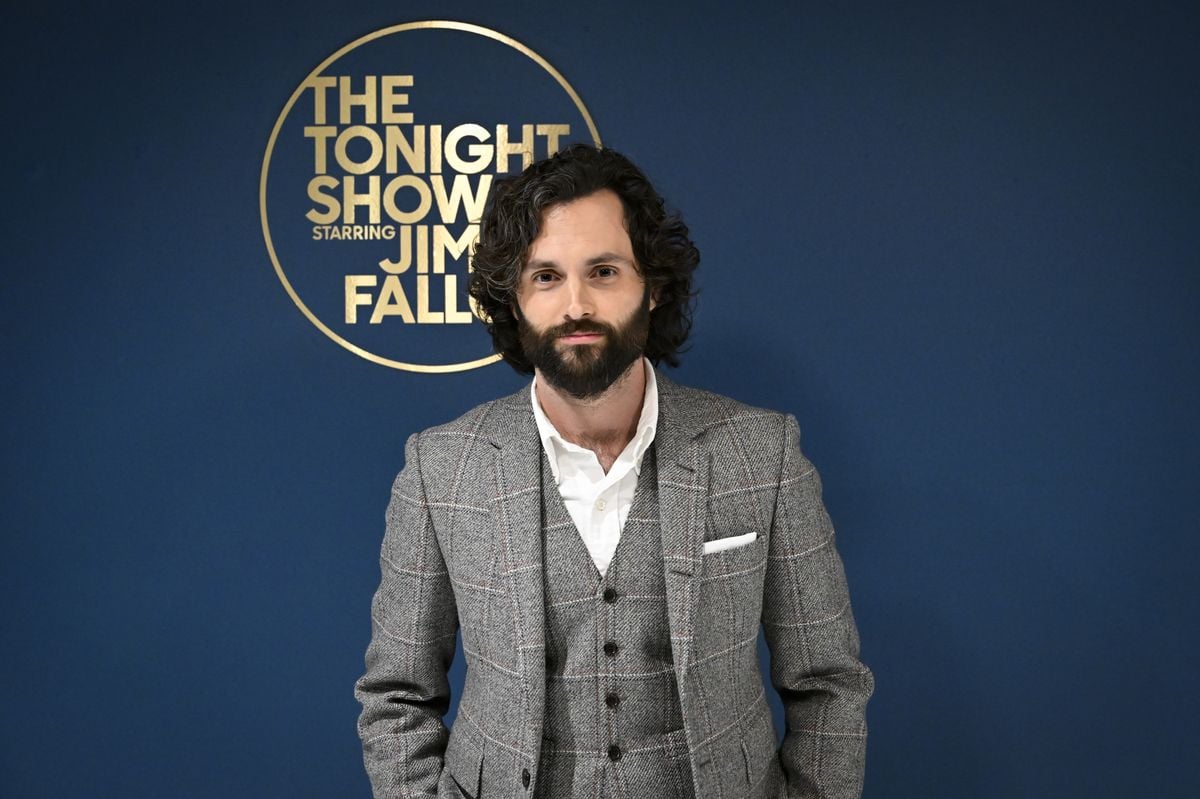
x,y
614,753
610,648
610,596
600,504
612,700
525,777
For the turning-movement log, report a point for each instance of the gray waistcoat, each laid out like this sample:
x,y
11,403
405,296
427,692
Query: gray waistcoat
x,y
613,724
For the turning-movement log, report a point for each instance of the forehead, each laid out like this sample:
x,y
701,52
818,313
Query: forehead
x,y
581,228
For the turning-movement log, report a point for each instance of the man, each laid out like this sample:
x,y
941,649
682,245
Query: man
x,y
608,542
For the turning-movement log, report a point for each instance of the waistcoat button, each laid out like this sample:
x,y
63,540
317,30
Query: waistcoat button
x,y
614,753
525,777
610,596
610,648
612,700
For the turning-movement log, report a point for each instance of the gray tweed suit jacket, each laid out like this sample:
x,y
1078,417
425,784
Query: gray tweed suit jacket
x,y
463,550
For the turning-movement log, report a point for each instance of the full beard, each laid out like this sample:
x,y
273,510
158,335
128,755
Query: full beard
x,y
586,371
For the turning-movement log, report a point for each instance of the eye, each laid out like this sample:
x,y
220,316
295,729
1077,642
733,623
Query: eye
x,y
543,278
606,271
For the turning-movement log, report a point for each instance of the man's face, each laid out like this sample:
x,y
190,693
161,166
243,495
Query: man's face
x,y
584,308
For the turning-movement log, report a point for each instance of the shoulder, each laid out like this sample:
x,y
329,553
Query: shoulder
x,y
715,414
745,445
478,427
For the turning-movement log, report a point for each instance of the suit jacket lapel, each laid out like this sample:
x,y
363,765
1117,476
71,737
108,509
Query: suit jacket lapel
x,y
518,513
683,480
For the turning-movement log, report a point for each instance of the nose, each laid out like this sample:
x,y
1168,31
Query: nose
x,y
579,299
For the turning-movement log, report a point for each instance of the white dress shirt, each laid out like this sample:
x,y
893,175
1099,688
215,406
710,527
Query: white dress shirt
x,y
598,502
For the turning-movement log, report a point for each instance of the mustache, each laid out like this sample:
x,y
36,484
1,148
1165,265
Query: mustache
x,y
579,326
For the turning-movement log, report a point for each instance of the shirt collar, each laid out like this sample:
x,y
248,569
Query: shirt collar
x,y
554,443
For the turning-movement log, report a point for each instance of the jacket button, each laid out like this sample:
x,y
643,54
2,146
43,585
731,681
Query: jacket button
x,y
610,596
525,777
612,700
614,753
611,648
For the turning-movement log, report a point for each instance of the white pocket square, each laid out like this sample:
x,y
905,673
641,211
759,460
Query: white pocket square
x,y
731,542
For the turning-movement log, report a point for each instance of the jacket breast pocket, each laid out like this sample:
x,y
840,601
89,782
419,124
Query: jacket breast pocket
x,y
728,542
729,604
726,555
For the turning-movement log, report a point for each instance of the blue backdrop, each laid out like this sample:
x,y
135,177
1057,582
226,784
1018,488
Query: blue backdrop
x,y
959,241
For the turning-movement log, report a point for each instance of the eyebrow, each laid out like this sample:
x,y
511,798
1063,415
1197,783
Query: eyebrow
x,y
602,258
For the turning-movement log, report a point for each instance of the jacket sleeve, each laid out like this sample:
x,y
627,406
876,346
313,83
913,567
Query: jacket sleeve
x,y
405,692
813,641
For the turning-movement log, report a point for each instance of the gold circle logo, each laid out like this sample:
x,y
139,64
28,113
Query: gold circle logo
x,y
376,174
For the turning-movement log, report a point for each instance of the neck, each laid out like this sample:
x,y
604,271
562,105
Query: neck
x,y
605,423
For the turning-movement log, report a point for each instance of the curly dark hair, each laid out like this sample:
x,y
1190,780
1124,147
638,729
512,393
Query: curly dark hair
x,y
665,255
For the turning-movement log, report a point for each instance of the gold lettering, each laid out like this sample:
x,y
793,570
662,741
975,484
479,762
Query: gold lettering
x,y
392,98
328,200
422,249
413,151
342,154
353,298
392,302
481,153
352,199
461,196
453,315
425,199
347,99
319,134
435,149
424,315
552,134
444,242
319,86
504,149
401,266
